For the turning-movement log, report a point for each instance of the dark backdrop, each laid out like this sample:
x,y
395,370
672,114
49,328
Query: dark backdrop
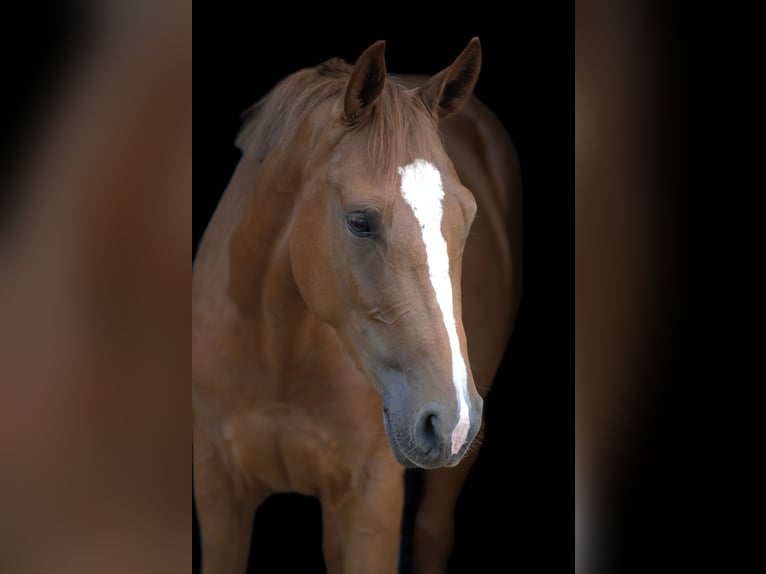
x,y
517,500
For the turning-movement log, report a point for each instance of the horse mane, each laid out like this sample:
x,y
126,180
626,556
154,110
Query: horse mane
x,y
398,125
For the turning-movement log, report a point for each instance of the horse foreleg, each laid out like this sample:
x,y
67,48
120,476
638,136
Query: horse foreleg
x,y
434,521
361,529
225,512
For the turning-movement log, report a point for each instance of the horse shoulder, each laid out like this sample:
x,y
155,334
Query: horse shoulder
x,y
484,156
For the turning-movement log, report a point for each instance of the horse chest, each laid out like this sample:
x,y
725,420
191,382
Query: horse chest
x,y
290,447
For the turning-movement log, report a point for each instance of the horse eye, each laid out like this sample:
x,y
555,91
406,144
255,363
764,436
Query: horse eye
x,y
358,224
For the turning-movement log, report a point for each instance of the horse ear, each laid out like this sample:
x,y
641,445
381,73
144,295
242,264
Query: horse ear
x,y
366,81
447,92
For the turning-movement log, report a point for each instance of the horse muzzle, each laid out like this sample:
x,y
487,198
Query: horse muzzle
x,y
424,438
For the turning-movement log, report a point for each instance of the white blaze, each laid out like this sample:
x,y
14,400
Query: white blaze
x,y
422,190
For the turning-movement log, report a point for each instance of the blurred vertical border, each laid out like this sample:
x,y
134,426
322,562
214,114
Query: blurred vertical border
x,y
636,357
95,454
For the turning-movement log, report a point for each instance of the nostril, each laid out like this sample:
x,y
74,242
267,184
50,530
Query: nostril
x,y
427,431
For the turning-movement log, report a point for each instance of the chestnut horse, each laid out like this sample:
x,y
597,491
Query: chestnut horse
x,y
352,298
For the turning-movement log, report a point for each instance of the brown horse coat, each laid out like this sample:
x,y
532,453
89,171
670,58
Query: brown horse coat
x,y
305,333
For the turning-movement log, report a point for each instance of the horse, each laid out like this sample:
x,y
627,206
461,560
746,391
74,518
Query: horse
x,y
370,232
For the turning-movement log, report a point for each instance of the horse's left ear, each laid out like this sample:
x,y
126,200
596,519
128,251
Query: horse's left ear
x,y
446,92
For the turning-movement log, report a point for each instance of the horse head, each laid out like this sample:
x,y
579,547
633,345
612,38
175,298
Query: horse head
x,y
376,243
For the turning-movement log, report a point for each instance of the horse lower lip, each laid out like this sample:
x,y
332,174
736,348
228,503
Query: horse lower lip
x,y
398,451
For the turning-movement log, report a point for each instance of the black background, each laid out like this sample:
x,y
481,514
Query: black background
x,y
518,498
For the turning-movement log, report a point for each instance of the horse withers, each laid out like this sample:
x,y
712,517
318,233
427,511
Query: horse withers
x,y
352,298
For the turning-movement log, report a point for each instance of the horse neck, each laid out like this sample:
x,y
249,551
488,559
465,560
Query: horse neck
x,y
250,231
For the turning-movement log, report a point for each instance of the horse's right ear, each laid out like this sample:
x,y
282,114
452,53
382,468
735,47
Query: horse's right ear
x,y
366,81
